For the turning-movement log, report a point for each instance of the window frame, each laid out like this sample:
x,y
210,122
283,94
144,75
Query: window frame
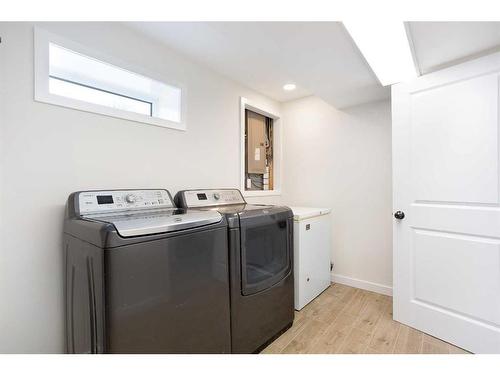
x,y
42,40
277,148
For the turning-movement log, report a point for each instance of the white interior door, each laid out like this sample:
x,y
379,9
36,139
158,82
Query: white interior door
x,y
446,181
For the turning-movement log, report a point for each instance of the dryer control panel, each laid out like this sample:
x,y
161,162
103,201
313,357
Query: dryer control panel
x,y
212,197
93,202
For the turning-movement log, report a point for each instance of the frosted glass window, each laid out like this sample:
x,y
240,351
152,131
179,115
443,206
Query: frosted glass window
x,y
79,77
91,95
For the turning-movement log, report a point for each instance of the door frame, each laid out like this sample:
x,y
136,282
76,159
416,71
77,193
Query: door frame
x,y
277,147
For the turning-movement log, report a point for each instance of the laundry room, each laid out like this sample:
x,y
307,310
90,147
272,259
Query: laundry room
x,y
220,186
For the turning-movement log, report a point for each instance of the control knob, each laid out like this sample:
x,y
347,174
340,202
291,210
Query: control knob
x,y
130,198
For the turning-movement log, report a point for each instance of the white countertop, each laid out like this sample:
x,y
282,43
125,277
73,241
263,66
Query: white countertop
x,y
301,213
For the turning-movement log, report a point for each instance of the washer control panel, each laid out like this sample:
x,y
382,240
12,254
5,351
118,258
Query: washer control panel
x,y
91,202
212,197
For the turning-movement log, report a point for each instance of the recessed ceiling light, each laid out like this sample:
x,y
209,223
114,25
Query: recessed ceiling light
x,y
386,48
289,87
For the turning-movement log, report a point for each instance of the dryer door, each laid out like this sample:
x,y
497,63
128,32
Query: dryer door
x,y
266,251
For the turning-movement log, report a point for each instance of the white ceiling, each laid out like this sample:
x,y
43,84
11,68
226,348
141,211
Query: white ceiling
x,y
441,44
319,57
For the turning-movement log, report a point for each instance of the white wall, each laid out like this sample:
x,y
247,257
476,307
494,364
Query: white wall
x,y
47,152
342,160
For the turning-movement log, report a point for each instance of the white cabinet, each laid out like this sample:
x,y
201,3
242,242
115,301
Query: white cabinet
x,y
311,251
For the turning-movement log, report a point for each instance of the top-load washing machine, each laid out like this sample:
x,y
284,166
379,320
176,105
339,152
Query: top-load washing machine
x,y
260,263
143,276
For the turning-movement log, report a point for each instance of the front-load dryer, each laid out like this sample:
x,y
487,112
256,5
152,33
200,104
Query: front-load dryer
x,y
261,264
143,276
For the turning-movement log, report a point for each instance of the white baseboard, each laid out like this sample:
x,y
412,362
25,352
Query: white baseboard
x,y
362,284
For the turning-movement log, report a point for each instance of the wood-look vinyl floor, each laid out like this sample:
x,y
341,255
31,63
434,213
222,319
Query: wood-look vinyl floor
x,y
348,320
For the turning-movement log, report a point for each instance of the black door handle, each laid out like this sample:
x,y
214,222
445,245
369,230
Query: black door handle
x,y
399,215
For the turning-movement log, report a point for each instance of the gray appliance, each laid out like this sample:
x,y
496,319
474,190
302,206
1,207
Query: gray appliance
x,y
143,276
261,264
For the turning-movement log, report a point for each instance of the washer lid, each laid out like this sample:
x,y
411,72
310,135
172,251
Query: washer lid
x,y
301,213
132,224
